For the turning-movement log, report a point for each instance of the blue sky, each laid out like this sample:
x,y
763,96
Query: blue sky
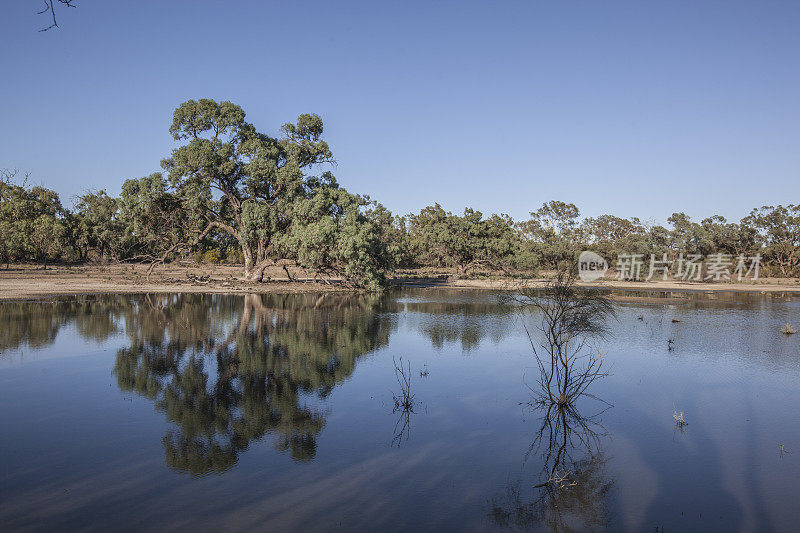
x,y
635,108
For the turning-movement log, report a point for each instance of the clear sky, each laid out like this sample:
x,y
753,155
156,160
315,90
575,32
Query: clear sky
x,y
637,108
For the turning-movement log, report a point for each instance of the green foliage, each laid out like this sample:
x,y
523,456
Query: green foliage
x,y
32,223
240,181
96,226
337,233
552,234
155,217
610,235
431,236
212,257
777,229
689,236
440,238
46,238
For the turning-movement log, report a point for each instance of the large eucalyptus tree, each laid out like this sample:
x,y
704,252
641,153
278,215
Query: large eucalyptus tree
x,y
239,180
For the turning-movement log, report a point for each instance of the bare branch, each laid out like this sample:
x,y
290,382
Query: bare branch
x,y
50,7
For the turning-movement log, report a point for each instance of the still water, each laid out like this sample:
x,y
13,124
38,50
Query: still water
x,y
276,412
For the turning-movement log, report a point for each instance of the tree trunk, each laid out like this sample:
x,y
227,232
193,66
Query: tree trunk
x,y
254,271
288,274
254,265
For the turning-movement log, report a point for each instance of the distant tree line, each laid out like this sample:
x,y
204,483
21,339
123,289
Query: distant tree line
x,y
230,193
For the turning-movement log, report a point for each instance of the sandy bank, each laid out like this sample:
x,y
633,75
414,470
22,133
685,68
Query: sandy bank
x,y
30,281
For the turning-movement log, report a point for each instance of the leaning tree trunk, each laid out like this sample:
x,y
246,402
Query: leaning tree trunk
x,y
253,270
254,273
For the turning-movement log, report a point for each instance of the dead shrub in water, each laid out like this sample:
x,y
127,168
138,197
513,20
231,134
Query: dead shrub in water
x,y
403,402
571,319
788,330
572,486
680,421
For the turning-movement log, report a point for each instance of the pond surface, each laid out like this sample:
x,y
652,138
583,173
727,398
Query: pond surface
x,y
277,412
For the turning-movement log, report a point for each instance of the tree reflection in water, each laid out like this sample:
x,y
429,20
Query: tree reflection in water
x,y
228,371
573,485
225,370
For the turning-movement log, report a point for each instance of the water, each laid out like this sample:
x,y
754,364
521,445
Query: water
x,y
277,412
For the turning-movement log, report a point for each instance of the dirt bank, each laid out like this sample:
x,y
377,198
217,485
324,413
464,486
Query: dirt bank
x,y
31,281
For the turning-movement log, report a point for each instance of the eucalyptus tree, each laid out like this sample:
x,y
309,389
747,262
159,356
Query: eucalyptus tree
x,y
47,231
730,237
689,237
241,181
606,232
431,236
334,232
552,232
47,236
96,226
490,242
610,235
778,230
440,238
32,222
158,221
12,219
500,244
393,233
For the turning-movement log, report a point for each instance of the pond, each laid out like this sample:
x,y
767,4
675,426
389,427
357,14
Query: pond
x,y
278,412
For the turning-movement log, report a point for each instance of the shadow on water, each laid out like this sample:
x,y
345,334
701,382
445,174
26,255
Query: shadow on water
x,y
704,474
690,490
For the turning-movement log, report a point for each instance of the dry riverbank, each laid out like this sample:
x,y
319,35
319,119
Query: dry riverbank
x,y
30,281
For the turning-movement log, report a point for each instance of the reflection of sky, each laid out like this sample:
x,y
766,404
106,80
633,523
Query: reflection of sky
x,y
79,446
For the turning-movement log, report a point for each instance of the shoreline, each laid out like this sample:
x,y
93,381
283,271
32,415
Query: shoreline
x,y
27,282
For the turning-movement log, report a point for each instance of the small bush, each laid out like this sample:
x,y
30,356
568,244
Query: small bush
x,y
212,257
